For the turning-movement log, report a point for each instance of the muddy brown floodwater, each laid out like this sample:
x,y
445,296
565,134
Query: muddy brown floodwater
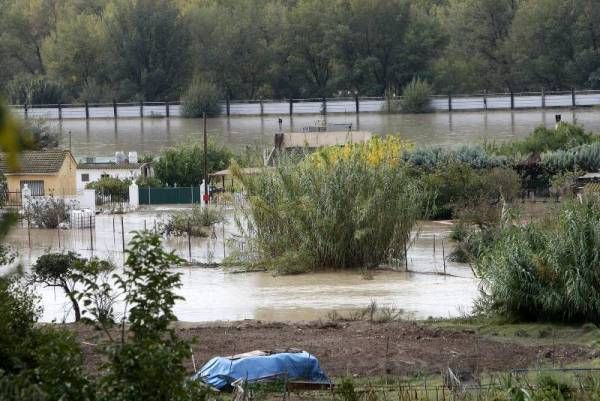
x,y
215,294
102,137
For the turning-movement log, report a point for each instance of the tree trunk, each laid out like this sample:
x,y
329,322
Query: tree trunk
x,y
71,297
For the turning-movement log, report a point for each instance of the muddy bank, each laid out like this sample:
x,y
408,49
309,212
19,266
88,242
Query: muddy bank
x,y
363,348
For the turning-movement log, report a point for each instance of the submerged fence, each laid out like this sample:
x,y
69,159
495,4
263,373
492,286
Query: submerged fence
x,y
443,103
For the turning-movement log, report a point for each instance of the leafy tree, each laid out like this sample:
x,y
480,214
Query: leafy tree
x,y
147,45
116,188
200,98
148,365
60,270
184,165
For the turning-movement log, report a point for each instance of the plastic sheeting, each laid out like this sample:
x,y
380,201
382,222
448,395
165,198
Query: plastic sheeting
x,y
221,372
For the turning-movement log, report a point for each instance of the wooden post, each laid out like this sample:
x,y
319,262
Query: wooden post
x,y
114,232
115,114
122,233
58,234
356,104
142,109
205,162
291,106
227,106
543,98
87,110
485,100
262,110
449,102
59,111
167,109
512,100
405,257
189,230
91,235
324,108
29,232
573,102
25,113
444,256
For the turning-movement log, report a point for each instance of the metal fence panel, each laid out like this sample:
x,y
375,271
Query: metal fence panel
x,y
169,196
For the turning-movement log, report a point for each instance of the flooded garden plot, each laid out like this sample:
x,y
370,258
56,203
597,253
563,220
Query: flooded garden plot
x,y
216,294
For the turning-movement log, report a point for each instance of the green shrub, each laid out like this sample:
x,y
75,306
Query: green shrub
x,y
542,139
547,270
201,97
324,213
429,158
115,188
197,222
475,195
584,157
30,89
184,165
148,182
415,97
47,212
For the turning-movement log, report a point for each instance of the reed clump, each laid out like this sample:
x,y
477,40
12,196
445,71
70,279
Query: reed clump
x,y
547,270
339,208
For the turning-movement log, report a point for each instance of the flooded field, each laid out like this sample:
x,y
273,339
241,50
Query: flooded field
x,y
102,137
215,294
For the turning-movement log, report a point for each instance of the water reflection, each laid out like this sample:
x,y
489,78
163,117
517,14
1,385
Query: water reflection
x,y
104,137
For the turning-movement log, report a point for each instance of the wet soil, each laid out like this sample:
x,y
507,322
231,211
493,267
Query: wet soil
x,y
363,348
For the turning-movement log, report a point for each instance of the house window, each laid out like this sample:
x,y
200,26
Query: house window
x,y
36,187
85,177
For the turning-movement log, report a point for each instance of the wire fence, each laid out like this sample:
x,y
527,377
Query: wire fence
x,y
354,105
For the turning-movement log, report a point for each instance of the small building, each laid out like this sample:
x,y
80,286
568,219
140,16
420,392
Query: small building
x,y
90,172
45,172
93,169
588,183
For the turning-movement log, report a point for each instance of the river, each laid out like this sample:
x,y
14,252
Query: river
x,y
102,137
216,294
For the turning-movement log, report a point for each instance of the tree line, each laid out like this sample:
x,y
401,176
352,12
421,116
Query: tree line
x,y
74,50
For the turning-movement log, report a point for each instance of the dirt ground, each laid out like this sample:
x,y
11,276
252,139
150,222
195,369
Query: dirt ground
x,y
363,348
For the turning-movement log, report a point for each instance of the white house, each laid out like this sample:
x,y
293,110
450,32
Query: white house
x,y
89,172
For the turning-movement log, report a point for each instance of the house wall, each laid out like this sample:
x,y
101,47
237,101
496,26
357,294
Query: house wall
x,y
58,184
96,174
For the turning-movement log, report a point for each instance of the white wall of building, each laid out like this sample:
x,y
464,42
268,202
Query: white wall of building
x,y
96,174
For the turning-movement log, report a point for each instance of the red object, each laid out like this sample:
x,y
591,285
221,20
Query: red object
x,y
205,198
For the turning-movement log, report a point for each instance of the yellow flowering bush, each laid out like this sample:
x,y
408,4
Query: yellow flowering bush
x,y
375,151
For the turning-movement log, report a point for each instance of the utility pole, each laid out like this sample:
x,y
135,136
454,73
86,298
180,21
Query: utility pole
x,y
205,162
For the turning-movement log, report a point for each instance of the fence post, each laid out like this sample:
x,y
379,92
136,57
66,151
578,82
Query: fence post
x,y
114,105
357,104
543,98
122,233
485,99
324,108
291,106
227,106
512,100
262,110
59,111
449,102
87,110
167,110
91,235
141,109
25,111
573,102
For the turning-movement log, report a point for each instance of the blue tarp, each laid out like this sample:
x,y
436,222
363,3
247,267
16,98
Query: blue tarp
x,y
221,372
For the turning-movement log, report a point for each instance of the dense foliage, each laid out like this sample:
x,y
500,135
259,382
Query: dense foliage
x,y
195,223
201,98
546,270
348,207
415,97
52,51
115,188
184,165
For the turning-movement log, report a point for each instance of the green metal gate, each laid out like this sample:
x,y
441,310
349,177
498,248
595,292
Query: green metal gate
x,y
164,196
